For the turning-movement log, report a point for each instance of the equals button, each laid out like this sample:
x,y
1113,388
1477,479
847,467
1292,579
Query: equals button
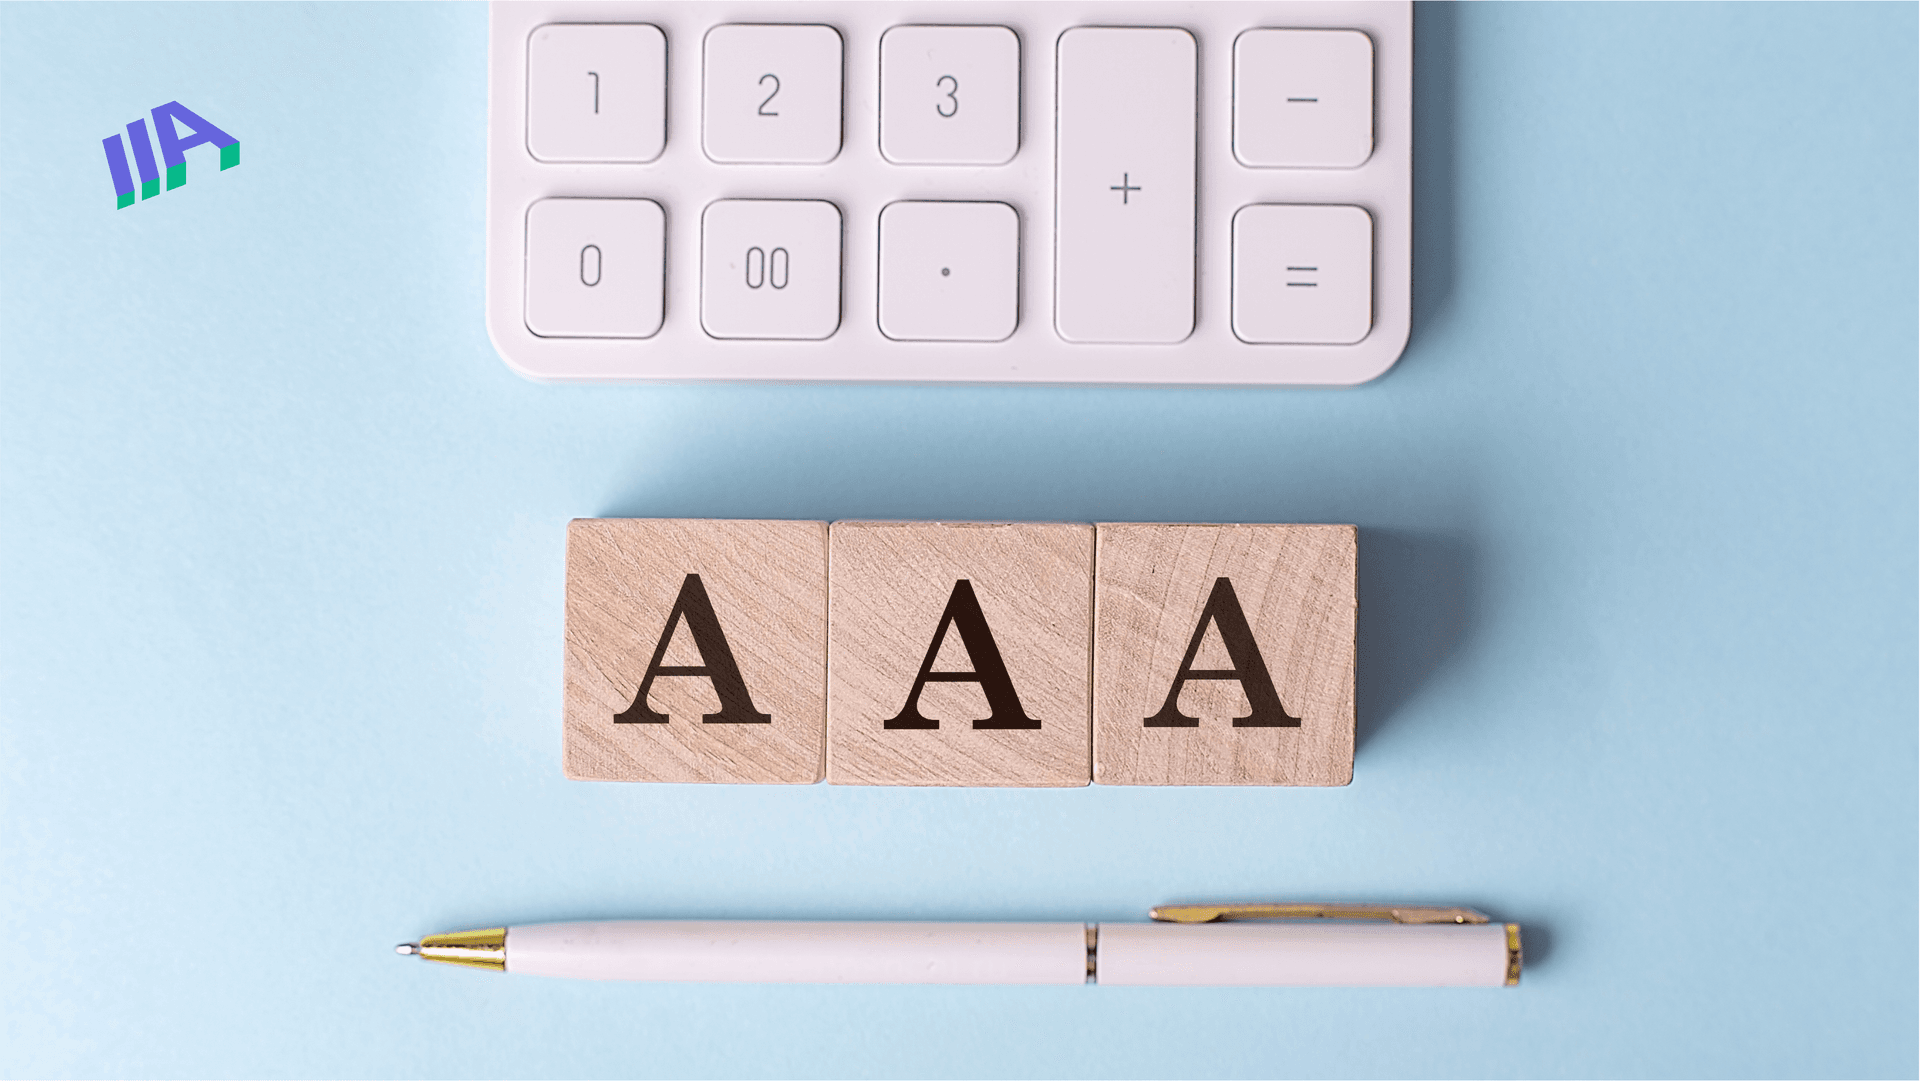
x,y
1303,270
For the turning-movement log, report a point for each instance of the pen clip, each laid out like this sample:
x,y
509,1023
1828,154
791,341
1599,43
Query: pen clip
x,y
1303,911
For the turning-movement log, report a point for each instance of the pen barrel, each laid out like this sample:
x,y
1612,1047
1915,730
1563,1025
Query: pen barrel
x,y
717,951
1304,954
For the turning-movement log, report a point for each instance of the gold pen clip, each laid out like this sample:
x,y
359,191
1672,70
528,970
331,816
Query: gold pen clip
x,y
1302,911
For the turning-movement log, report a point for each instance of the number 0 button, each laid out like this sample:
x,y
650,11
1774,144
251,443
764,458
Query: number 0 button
x,y
771,94
594,268
770,268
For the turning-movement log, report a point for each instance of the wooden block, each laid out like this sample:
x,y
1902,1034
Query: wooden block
x,y
696,650
960,654
1223,654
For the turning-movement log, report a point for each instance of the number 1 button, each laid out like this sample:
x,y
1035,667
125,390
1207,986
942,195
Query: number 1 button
x,y
770,268
949,95
772,94
597,92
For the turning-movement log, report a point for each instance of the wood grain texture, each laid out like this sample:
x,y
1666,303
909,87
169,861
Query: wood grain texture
x,y
765,583
1296,586
894,585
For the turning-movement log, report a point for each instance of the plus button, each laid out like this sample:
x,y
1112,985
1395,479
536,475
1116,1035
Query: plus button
x,y
1124,187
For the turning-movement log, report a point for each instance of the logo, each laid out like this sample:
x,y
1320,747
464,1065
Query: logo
x,y
173,151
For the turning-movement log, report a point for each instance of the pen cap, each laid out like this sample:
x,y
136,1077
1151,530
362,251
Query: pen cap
x,y
1320,953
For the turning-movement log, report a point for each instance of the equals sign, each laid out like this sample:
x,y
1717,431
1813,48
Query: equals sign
x,y
1303,285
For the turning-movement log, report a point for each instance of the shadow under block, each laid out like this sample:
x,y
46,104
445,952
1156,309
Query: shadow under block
x,y
724,625
960,654
1224,654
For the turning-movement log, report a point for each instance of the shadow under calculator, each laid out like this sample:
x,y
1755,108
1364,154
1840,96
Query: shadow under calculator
x,y
1434,189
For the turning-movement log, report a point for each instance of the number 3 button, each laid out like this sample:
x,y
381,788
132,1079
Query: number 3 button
x,y
594,268
770,268
949,95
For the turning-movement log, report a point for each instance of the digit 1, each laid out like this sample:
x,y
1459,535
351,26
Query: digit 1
x,y
596,92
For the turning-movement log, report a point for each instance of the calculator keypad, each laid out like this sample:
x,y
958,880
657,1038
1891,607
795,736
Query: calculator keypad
x,y
1152,192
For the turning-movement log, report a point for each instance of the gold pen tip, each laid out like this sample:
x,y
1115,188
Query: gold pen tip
x,y
407,948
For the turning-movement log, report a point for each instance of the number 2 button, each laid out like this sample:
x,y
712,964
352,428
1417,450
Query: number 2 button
x,y
770,268
771,94
949,95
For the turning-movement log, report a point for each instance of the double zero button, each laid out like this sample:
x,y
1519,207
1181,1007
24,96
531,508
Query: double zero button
x,y
770,268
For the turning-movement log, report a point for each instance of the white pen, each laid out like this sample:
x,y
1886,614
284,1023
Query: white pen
x,y
1270,945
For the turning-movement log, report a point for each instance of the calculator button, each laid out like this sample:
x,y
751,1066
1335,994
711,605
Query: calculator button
x,y
1302,275
770,268
772,94
594,268
949,95
1303,98
1123,185
596,92
949,272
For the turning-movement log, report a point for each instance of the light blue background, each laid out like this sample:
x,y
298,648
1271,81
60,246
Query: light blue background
x,y
281,570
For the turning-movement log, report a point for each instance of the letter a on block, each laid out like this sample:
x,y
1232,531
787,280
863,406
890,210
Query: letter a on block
x,y
717,665
989,671
1249,670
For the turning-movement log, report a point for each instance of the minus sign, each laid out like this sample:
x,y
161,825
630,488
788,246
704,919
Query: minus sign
x,y
1302,285
1303,268
1304,99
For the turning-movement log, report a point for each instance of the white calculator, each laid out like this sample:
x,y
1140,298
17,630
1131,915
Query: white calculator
x,y
1044,192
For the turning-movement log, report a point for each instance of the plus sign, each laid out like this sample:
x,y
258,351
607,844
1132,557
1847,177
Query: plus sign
x,y
1123,187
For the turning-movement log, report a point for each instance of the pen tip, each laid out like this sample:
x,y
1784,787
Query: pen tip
x,y
407,948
